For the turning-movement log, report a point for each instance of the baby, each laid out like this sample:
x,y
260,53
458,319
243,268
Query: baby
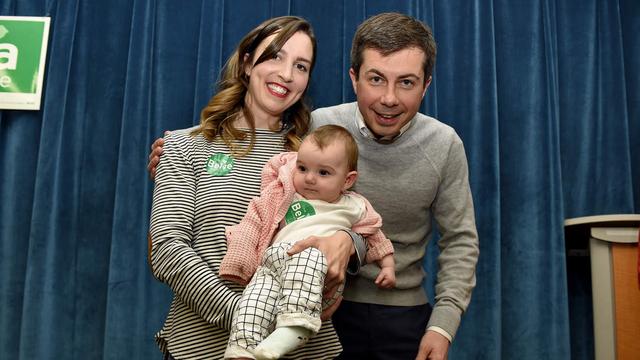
x,y
303,194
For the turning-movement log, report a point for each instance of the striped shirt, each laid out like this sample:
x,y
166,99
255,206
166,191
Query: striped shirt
x,y
193,201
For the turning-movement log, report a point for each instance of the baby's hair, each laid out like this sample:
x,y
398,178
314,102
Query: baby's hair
x,y
327,134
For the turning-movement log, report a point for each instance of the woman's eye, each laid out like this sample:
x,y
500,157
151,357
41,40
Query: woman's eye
x,y
301,67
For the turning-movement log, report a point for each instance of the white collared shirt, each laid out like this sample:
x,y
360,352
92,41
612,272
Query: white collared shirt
x,y
366,132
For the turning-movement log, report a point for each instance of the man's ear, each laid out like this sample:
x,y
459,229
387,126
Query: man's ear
x,y
426,86
354,80
352,176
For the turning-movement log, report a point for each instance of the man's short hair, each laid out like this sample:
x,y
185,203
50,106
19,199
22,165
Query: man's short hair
x,y
392,32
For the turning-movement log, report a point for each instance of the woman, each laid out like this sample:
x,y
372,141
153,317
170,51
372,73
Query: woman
x,y
208,176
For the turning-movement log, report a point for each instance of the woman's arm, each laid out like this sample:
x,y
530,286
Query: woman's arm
x,y
173,259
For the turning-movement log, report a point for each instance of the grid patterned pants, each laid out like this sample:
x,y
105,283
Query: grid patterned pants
x,y
285,291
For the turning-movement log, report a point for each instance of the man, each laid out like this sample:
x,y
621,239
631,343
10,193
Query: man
x,y
413,170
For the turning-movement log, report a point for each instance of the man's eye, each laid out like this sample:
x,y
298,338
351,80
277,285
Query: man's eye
x,y
407,83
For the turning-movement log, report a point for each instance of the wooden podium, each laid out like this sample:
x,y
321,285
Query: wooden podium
x,y
613,251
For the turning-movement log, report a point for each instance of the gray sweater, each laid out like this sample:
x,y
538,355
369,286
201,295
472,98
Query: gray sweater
x,y
421,176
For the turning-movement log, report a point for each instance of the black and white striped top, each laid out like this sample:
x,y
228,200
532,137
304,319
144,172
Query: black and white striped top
x,y
191,209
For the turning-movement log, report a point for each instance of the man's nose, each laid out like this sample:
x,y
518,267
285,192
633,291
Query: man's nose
x,y
389,97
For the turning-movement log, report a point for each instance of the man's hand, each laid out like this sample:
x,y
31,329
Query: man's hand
x,y
337,248
154,156
433,346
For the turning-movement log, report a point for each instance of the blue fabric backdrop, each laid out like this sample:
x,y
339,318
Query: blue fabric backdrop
x,y
545,94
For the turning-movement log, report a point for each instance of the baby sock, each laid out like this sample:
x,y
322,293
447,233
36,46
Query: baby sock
x,y
281,341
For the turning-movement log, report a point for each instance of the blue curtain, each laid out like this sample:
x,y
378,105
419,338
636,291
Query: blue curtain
x,y
545,95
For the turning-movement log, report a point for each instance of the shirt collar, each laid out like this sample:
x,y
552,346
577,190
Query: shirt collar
x,y
366,132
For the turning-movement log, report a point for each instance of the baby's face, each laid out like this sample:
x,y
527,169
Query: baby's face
x,y
321,174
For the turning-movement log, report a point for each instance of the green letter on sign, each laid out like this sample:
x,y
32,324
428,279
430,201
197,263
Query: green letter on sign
x,y
23,44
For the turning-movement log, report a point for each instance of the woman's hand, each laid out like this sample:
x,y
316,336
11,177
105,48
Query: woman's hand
x,y
337,248
328,311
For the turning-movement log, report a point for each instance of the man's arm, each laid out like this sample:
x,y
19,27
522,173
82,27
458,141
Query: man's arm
x,y
154,156
458,244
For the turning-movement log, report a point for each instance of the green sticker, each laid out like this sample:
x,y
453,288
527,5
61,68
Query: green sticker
x,y
299,210
219,164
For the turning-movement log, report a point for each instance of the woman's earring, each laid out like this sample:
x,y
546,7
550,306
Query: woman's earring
x,y
247,69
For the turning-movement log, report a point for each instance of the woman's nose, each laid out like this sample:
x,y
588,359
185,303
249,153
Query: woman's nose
x,y
286,73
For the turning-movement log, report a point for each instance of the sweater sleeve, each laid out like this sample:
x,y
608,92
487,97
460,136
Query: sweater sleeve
x,y
458,244
378,245
173,259
247,241
243,244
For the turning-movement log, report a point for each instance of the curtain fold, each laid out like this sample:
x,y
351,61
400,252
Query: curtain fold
x,y
531,232
545,95
464,94
128,324
49,274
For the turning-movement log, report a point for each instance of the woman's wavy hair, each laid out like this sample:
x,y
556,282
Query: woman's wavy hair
x,y
217,118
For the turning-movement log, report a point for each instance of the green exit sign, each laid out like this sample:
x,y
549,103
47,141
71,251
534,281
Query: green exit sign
x,y
23,49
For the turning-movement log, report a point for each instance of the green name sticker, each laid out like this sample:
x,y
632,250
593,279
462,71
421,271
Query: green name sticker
x,y
299,210
219,164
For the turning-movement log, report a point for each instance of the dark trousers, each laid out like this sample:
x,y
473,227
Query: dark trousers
x,y
380,332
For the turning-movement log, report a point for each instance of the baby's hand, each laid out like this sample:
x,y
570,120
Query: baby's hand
x,y
386,278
